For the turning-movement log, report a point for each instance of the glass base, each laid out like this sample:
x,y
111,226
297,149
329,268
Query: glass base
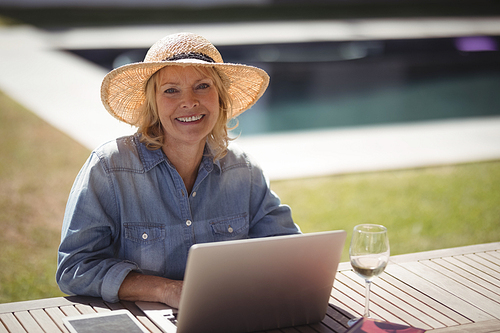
x,y
353,321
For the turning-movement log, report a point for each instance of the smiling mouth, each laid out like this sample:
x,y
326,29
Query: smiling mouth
x,y
190,119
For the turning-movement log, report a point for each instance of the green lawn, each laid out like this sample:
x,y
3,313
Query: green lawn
x,y
38,166
423,209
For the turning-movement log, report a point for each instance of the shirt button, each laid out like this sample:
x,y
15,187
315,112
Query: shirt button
x,y
144,236
230,229
194,194
188,223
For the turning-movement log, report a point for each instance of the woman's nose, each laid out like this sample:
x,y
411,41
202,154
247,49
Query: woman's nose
x,y
190,100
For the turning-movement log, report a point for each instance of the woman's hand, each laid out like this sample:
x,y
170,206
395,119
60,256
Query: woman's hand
x,y
149,288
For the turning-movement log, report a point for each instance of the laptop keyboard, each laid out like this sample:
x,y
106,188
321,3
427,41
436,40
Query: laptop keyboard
x,y
171,317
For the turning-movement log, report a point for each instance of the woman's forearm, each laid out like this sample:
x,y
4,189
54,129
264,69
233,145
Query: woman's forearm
x,y
140,287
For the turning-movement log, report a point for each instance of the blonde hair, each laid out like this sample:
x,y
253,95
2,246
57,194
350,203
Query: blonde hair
x,y
149,124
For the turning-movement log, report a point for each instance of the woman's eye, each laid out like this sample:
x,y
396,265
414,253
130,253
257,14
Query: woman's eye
x,y
170,90
203,86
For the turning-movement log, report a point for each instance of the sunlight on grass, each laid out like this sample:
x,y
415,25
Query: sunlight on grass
x,y
37,170
423,209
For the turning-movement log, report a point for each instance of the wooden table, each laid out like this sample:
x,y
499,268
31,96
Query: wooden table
x,y
450,290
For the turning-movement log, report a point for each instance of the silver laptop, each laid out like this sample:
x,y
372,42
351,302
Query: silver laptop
x,y
254,284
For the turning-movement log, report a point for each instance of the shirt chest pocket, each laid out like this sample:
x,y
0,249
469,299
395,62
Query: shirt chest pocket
x,y
145,245
230,227
144,233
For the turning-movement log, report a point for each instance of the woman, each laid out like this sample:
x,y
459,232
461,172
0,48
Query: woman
x,y
140,202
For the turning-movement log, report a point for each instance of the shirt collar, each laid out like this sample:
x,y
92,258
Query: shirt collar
x,y
208,159
151,158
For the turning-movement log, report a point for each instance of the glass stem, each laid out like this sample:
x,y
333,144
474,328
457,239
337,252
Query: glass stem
x,y
367,299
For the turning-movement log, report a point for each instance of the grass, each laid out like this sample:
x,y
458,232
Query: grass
x,y
423,209
38,166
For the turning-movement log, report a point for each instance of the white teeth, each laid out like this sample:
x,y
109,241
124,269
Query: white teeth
x,y
190,119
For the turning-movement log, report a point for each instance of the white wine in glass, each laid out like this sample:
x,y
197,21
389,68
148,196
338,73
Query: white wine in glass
x,y
369,253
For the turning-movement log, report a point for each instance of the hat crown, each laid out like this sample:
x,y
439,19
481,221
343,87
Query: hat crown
x,y
172,46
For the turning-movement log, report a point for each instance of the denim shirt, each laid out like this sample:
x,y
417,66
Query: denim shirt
x,y
129,210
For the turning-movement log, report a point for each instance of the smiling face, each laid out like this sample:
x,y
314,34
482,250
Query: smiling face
x,y
188,105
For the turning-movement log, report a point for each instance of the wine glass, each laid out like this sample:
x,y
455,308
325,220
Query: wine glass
x,y
369,253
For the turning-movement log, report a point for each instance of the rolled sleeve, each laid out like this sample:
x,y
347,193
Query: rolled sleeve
x,y
114,278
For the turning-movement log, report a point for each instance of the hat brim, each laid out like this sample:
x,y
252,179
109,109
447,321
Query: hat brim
x,y
123,89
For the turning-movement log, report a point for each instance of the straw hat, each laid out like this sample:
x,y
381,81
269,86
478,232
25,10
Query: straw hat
x,y
123,89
